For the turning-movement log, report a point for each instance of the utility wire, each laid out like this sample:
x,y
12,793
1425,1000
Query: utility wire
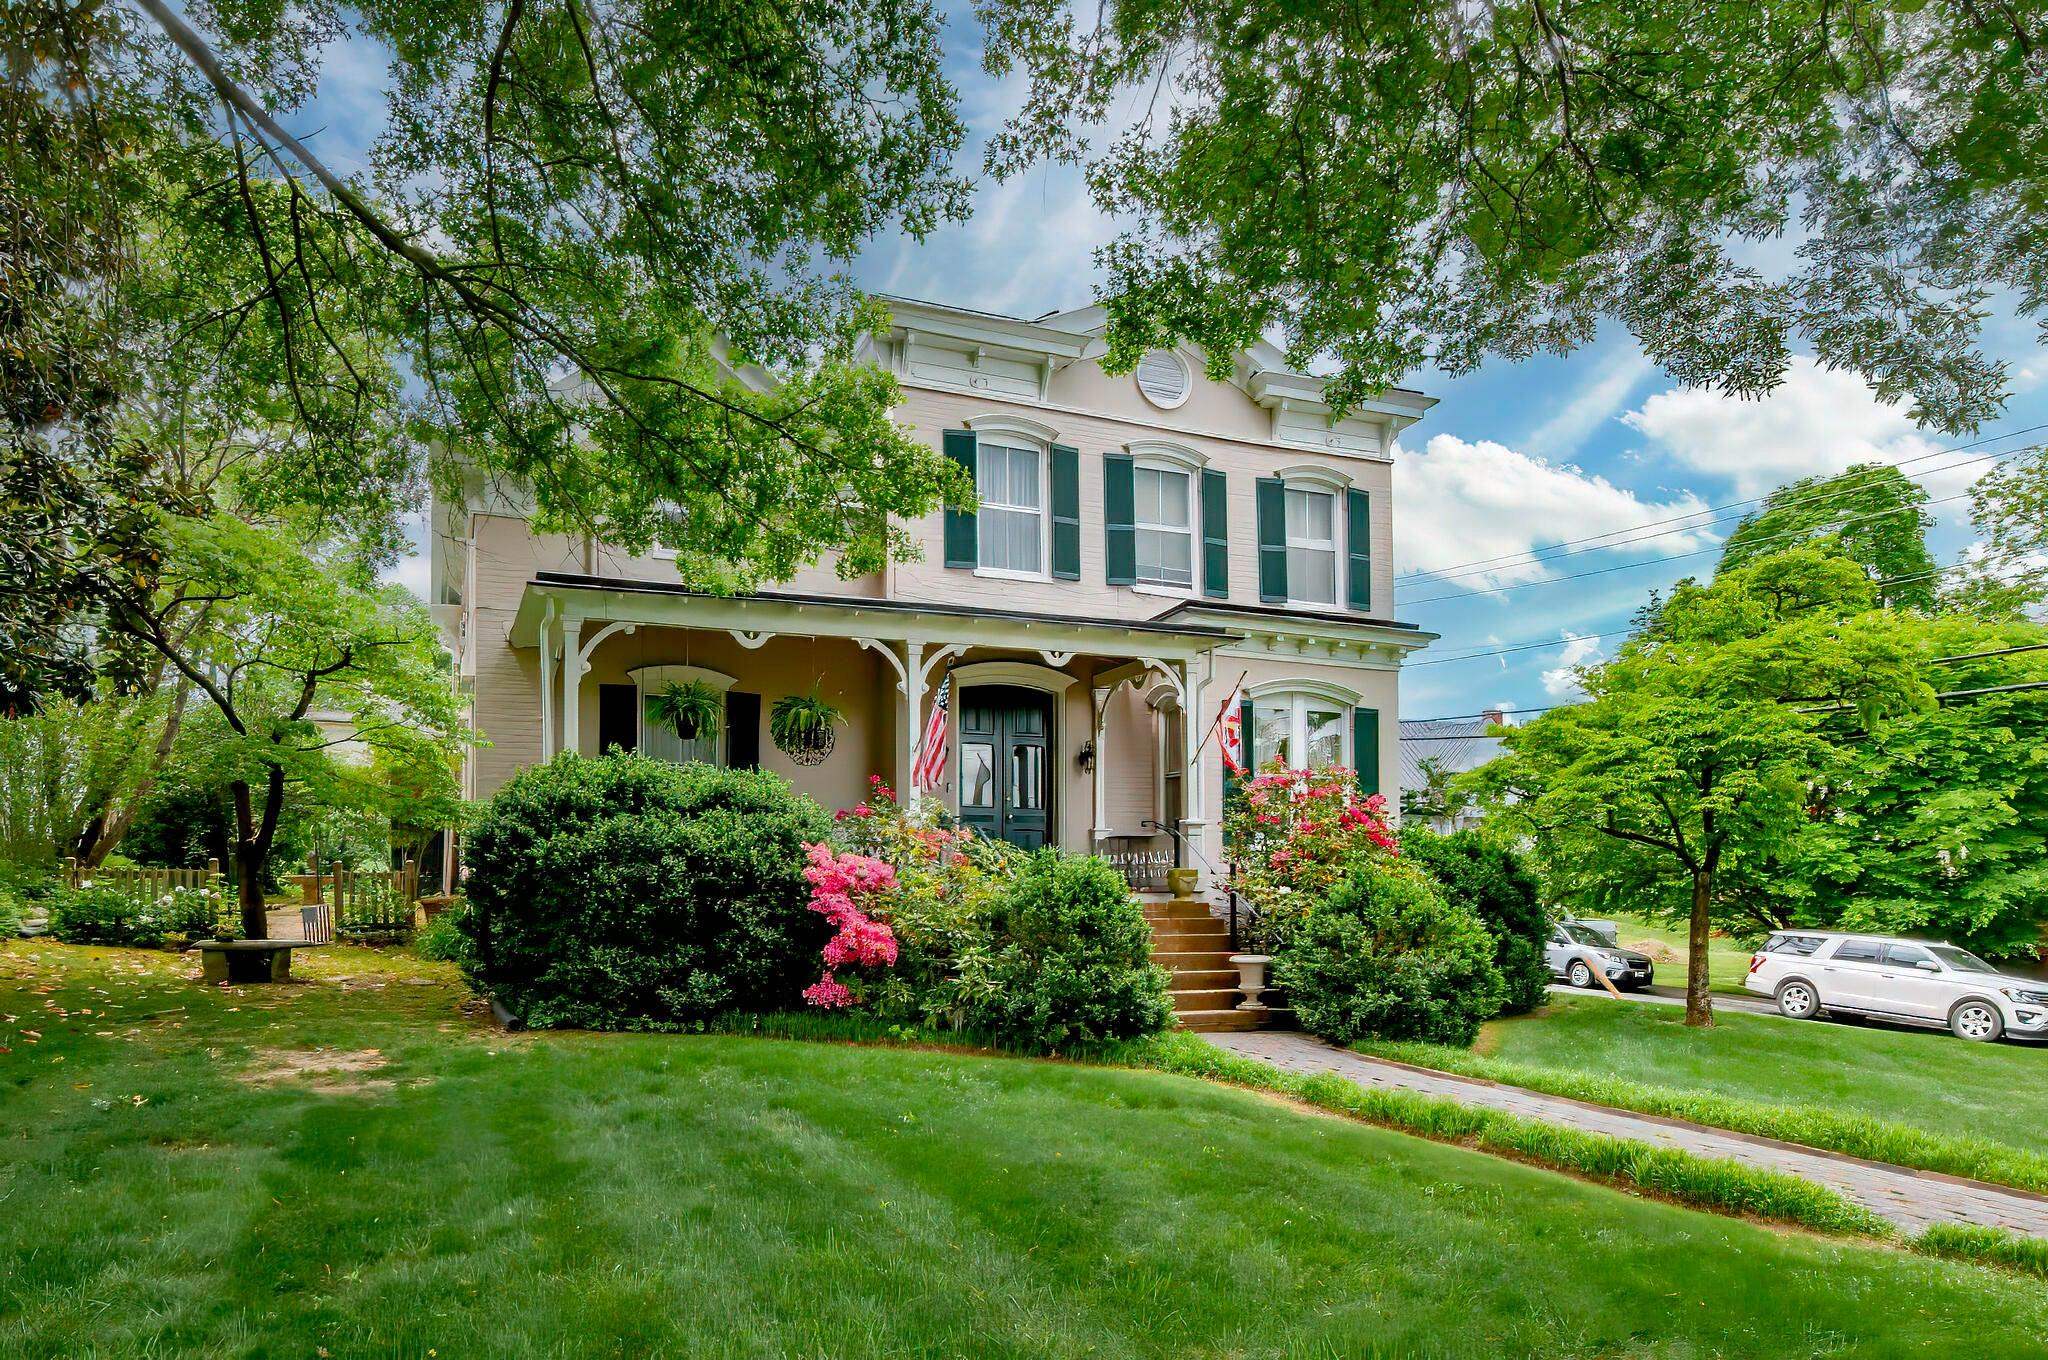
x,y
1451,575
1679,557
1934,660
1733,504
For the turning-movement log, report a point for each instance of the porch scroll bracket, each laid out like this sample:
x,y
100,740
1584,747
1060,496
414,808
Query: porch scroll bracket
x,y
753,639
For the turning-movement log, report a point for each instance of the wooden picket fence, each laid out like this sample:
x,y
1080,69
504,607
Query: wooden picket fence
x,y
356,904
142,882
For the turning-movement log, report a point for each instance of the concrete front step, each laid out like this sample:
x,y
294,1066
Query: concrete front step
x,y
1209,929
1179,909
1204,998
1193,960
1218,1021
1217,976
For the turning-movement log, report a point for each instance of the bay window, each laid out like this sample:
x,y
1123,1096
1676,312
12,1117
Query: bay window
x,y
1301,731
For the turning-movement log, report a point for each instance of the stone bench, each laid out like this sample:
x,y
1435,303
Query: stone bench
x,y
247,960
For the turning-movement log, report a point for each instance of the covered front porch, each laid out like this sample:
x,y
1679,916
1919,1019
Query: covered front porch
x,y
1058,730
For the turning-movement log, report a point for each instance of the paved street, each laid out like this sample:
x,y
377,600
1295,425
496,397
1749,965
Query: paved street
x,y
1912,1199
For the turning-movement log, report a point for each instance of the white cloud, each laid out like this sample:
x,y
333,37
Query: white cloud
x,y
1816,423
1562,680
1461,502
1593,405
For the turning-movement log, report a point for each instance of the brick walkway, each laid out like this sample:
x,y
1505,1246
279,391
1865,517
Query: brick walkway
x,y
1912,1199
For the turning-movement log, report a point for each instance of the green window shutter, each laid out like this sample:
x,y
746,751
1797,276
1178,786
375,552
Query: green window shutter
x,y
1272,508
1232,782
1358,548
1365,748
963,548
1066,513
1215,535
1119,509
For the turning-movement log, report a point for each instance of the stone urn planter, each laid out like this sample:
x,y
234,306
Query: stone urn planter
x,y
1183,882
1251,979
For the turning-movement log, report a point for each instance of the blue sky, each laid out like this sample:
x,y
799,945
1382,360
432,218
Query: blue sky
x,y
1516,457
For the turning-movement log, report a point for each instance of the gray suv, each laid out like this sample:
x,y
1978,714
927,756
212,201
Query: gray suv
x,y
1579,954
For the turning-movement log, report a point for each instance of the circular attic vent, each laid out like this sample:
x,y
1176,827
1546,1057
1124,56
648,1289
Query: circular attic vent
x,y
1163,378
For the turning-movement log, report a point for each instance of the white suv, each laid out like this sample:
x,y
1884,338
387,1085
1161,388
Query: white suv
x,y
1911,981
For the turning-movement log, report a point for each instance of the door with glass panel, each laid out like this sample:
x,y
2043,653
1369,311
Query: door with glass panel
x,y
1005,763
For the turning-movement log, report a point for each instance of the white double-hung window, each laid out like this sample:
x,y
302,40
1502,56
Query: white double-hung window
x,y
1010,479
1311,545
1163,520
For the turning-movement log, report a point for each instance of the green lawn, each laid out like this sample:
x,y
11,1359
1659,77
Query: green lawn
x,y
1923,1078
362,1166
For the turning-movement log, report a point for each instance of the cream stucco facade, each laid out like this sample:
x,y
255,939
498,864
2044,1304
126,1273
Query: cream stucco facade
x,y
1148,546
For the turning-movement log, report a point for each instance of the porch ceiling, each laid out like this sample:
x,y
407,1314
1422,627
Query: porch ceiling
x,y
754,618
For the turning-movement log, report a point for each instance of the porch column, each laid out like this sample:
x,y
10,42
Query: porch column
x,y
547,684
912,685
572,685
1193,786
1100,736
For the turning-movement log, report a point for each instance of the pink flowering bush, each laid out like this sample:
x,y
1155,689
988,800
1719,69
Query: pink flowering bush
x,y
842,887
1294,833
1042,951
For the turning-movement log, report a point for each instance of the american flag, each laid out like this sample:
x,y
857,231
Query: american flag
x,y
1230,731
931,760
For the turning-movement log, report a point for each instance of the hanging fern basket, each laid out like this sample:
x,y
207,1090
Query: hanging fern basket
x,y
801,726
690,711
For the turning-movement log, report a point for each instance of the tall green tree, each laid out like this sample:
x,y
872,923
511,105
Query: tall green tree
x,y
1871,512
594,229
287,635
1694,750
1929,821
2008,576
1401,182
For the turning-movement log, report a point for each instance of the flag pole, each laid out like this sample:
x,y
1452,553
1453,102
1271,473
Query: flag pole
x,y
1217,721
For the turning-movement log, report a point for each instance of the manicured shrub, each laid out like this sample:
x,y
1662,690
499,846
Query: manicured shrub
x,y
624,892
442,938
105,913
1386,955
1479,872
1069,961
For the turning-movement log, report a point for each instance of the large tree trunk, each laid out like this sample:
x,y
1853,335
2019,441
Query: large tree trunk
x,y
1699,1002
253,835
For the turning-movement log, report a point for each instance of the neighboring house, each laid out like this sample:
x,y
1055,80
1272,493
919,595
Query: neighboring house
x,y
1143,542
1433,750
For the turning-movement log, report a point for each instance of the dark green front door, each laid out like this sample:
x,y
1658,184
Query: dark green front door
x,y
1006,763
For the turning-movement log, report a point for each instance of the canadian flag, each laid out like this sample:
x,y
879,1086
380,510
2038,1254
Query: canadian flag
x,y
1230,731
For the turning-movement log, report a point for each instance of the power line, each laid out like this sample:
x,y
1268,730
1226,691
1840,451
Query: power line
x,y
1930,661
1571,547
1520,647
1676,557
1448,575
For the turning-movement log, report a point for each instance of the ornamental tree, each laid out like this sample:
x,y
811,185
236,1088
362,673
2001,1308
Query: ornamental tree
x,y
286,637
1696,746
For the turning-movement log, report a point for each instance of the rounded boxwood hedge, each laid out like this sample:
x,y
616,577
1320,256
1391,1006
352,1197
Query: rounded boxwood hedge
x,y
1491,878
628,893
1386,956
1070,959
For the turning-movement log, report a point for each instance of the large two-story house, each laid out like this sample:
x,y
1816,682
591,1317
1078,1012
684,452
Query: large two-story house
x,y
1146,547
